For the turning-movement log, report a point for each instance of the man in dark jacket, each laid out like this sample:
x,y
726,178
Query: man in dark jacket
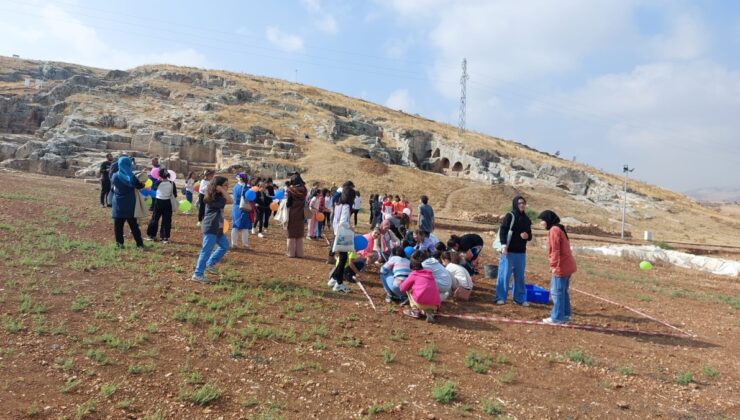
x,y
513,258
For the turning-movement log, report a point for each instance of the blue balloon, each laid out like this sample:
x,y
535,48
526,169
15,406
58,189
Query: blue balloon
x,y
280,195
250,195
360,242
408,251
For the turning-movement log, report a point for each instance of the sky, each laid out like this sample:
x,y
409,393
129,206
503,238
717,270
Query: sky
x,y
652,84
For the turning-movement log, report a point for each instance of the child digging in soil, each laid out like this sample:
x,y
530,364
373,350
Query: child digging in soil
x,y
421,289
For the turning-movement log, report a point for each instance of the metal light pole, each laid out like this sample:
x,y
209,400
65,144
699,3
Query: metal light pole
x,y
626,169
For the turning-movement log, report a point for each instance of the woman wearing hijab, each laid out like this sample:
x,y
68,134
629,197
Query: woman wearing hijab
x,y
513,258
562,267
296,228
125,185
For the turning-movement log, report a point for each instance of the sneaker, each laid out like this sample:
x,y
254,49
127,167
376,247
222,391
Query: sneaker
x,y
254,231
165,241
525,304
198,224
200,279
211,270
149,238
500,302
259,235
550,321
331,282
430,317
341,288
413,313
567,319
404,302
388,299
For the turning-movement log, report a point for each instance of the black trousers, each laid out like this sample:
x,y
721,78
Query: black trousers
x,y
263,218
133,225
104,190
355,213
162,209
338,273
202,207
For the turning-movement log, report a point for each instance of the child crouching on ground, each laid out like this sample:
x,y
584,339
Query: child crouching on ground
x,y
462,284
393,273
421,289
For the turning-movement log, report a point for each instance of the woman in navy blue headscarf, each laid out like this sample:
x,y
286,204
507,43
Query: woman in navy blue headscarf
x,y
125,186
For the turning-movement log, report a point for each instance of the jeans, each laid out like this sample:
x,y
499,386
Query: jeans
x,y
207,257
390,287
163,209
133,225
560,298
189,196
514,263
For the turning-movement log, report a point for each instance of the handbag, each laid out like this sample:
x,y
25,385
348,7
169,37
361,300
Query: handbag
x,y
173,200
282,214
140,210
497,245
344,241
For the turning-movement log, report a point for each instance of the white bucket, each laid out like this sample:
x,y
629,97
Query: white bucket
x,y
648,235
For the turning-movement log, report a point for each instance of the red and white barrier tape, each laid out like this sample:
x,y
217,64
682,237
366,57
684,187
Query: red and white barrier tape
x,y
367,296
635,311
569,326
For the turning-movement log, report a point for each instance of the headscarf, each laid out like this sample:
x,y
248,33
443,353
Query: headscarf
x,y
551,219
241,177
125,173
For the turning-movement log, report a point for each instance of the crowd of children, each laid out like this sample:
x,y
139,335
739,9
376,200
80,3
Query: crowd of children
x,y
415,267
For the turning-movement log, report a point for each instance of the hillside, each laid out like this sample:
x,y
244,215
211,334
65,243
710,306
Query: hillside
x,y
68,116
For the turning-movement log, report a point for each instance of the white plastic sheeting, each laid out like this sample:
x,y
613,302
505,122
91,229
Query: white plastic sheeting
x,y
653,253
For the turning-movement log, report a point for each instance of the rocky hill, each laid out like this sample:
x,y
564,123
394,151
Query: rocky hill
x,y
60,119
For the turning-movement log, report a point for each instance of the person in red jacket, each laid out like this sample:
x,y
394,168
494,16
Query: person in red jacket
x,y
562,267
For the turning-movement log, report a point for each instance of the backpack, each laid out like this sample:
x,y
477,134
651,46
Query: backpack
x,y
497,245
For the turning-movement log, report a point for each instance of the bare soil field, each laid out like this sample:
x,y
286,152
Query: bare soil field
x,y
88,331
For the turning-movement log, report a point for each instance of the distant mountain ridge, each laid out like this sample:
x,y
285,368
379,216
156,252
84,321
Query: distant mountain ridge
x,y
716,194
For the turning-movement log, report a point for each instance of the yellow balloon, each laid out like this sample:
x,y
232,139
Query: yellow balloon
x,y
148,183
226,226
320,217
274,206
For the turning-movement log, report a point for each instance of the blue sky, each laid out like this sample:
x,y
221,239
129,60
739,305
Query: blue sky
x,y
655,84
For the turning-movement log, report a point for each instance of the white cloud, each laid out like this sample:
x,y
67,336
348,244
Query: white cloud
x,y
401,100
686,39
58,35
284,41
322,19
677,121
397,48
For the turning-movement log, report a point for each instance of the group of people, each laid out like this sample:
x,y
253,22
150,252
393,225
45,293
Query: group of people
x,y
416,268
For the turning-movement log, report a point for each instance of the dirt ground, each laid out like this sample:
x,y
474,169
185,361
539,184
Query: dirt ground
x,y
92,332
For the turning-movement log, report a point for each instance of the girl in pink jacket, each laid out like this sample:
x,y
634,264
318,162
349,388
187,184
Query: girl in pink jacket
x,y
562,266
421,289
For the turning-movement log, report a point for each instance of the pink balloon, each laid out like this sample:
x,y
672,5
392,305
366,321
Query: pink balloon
x,y
154,173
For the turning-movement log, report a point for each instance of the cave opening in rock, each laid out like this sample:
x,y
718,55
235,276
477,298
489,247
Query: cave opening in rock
x,y
457,167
